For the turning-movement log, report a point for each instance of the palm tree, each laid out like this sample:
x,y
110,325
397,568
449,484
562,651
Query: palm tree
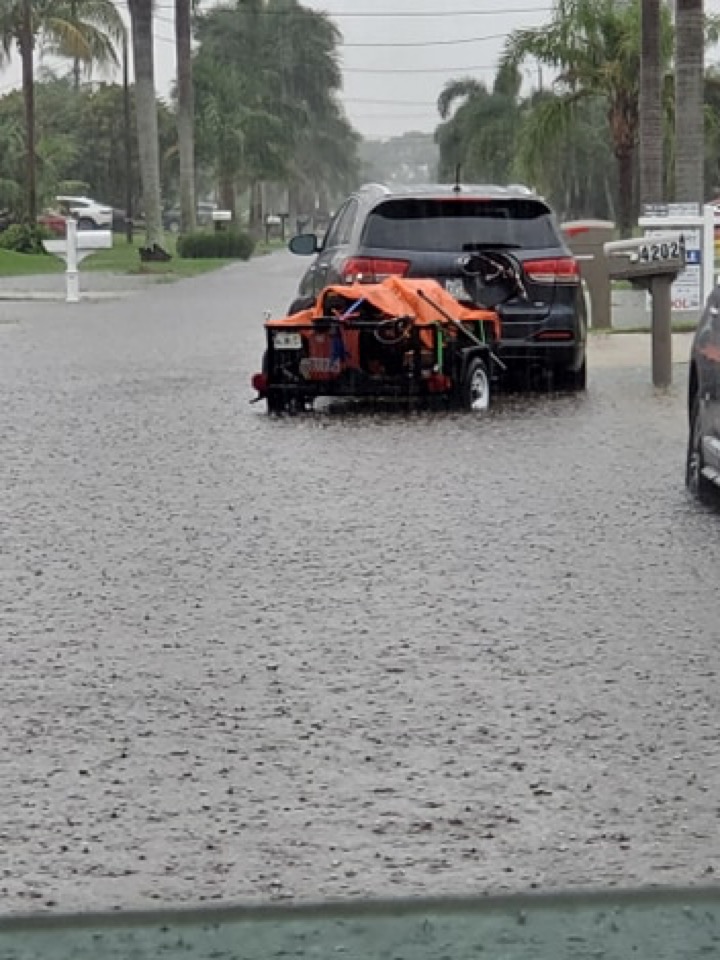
x,y
86,30
651,104
689,112
480,136
594,45
185,113
267,77
141,18
563,151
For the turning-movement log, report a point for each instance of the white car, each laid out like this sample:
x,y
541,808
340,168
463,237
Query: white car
x,y
89,214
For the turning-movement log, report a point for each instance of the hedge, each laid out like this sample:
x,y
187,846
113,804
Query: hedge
x,y
22,238
220,245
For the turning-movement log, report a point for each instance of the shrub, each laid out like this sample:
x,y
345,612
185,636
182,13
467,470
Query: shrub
x,y
223,244
22,238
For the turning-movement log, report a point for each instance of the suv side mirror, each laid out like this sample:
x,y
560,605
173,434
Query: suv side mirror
x,y
304,244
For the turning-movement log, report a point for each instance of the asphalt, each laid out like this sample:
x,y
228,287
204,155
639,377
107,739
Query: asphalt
x,y
346,654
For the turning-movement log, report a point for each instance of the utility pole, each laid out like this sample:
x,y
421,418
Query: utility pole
x,y
128,144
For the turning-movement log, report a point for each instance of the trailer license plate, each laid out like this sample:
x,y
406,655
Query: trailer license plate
x,y
456,288
287,341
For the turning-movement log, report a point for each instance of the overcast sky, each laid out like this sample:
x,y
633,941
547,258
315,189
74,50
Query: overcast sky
x,y
389,86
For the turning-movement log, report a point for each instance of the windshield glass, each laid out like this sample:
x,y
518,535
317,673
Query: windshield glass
x,y
431,224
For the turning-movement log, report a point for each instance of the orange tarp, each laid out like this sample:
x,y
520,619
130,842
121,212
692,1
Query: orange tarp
x,y
398,297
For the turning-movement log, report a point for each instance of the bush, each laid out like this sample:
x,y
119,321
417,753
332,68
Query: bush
x,y
224,244
22,238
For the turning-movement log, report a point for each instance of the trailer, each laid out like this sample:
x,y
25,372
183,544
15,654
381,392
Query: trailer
x,y
402,338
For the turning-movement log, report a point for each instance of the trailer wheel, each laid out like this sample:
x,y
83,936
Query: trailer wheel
x,y
275,403
475,393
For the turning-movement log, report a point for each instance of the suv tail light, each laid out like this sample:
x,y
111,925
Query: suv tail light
x,y
553,270
372,270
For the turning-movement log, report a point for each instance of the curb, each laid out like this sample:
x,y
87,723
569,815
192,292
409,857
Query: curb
x,y
53,297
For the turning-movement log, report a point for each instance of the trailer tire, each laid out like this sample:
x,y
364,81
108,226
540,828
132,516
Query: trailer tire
x,y
475,391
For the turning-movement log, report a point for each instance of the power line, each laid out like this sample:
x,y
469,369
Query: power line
x,y
402,43
386,14
429,43
452,69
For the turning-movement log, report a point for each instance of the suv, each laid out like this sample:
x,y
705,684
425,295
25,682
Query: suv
x,y
89,214
702,473
203,216
428,231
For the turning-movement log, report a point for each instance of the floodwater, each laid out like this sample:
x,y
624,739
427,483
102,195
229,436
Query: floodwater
x,y
338,655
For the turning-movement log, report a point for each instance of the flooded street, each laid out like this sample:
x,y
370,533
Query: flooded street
x,y
335,656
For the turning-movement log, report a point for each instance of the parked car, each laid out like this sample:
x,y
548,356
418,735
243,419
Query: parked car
x,y
89,214
702,472
426,232
203,216
54,222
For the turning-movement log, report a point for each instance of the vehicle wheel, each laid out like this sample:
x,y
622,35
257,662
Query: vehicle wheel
x,y
575,380
697,484
300,303
85,223
476,387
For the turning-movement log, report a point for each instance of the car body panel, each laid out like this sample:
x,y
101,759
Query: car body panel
x,y
84,208
423,227
704,385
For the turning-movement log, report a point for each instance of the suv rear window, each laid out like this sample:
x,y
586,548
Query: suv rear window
x,y
450,225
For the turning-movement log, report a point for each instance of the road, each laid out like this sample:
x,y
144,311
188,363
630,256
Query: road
x,y
338,655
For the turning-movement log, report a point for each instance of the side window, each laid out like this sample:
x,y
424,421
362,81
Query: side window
x,y
331,237
345,227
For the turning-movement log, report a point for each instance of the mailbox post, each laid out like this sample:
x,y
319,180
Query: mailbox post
x,y
73,248
652,263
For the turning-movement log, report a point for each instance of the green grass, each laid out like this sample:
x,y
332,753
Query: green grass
x,y
263,248
123,258
26,265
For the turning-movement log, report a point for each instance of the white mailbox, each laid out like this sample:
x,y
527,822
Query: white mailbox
x,y
73,248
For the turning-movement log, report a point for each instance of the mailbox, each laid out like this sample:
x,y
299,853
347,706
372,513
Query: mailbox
x,y
586,239
652,263
644,259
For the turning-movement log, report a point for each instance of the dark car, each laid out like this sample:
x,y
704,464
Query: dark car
x,y
203,216
428,231
703,455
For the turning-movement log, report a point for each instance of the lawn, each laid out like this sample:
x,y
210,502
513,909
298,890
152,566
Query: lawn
x,y
22,265
123,258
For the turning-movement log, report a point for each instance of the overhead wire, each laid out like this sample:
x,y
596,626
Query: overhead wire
x,y
386,14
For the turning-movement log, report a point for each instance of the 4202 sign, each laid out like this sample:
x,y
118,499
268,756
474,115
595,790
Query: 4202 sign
x,y
657,251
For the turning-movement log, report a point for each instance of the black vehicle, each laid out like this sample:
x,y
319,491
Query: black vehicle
x,y
425,231
702,473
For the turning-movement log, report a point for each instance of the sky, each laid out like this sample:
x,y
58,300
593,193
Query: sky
x,y
396,54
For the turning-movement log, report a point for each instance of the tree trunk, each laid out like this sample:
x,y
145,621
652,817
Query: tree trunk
x,y
76,60
227,194
26,43
689,111
146,119
127,137
625,191
651,126
185,120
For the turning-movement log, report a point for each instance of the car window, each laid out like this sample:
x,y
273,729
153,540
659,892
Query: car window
x,y
450,224
333,236
347,222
